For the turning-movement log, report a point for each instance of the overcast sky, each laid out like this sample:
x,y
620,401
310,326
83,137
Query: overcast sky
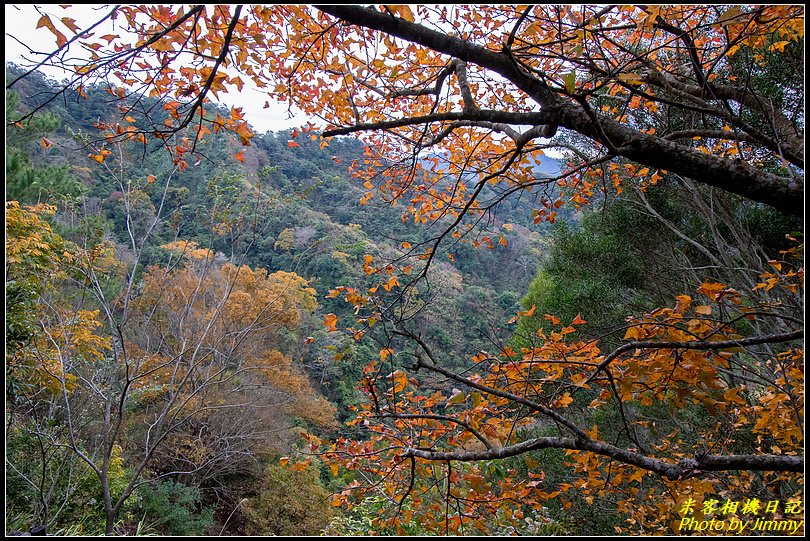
x,y
21,21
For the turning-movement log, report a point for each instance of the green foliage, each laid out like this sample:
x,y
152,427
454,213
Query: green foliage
x,y
27,180
361,520
52,486
170,508
289,503
86,504
595,271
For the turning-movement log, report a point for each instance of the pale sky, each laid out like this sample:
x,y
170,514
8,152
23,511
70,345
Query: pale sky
x,y
21,21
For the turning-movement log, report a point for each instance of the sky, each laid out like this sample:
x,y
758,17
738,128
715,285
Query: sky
x,y
22,34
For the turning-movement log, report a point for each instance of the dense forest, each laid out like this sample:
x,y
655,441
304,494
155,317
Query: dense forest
x,y
295,221
303,332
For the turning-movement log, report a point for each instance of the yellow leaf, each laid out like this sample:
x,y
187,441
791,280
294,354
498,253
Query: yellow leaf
x,y
402,11
631,79
400,380
456,397
730,16
633,333
570,80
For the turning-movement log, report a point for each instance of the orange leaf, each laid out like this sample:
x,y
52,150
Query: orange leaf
x,y
292,144
71,23
240,156
553,319
330,321
46,22
564,400
300,466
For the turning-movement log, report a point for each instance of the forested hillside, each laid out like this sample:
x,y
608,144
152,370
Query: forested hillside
x,y
289,207
443,310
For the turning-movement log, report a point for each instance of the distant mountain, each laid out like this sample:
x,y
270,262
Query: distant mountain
x,y
549,167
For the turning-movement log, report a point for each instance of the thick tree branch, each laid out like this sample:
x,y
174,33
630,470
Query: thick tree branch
x,y
686,468
701,346
736,176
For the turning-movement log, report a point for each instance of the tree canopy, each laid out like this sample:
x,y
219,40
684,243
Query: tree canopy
x,y
456,105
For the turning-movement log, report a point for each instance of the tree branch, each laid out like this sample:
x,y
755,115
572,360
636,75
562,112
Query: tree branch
x,y
783,193
689,467
702,346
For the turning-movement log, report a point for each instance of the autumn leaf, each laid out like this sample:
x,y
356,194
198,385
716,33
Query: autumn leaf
x,y
46,22
456,397
564,401
631,78
402,11
71,24
301,466
330,321
570,81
